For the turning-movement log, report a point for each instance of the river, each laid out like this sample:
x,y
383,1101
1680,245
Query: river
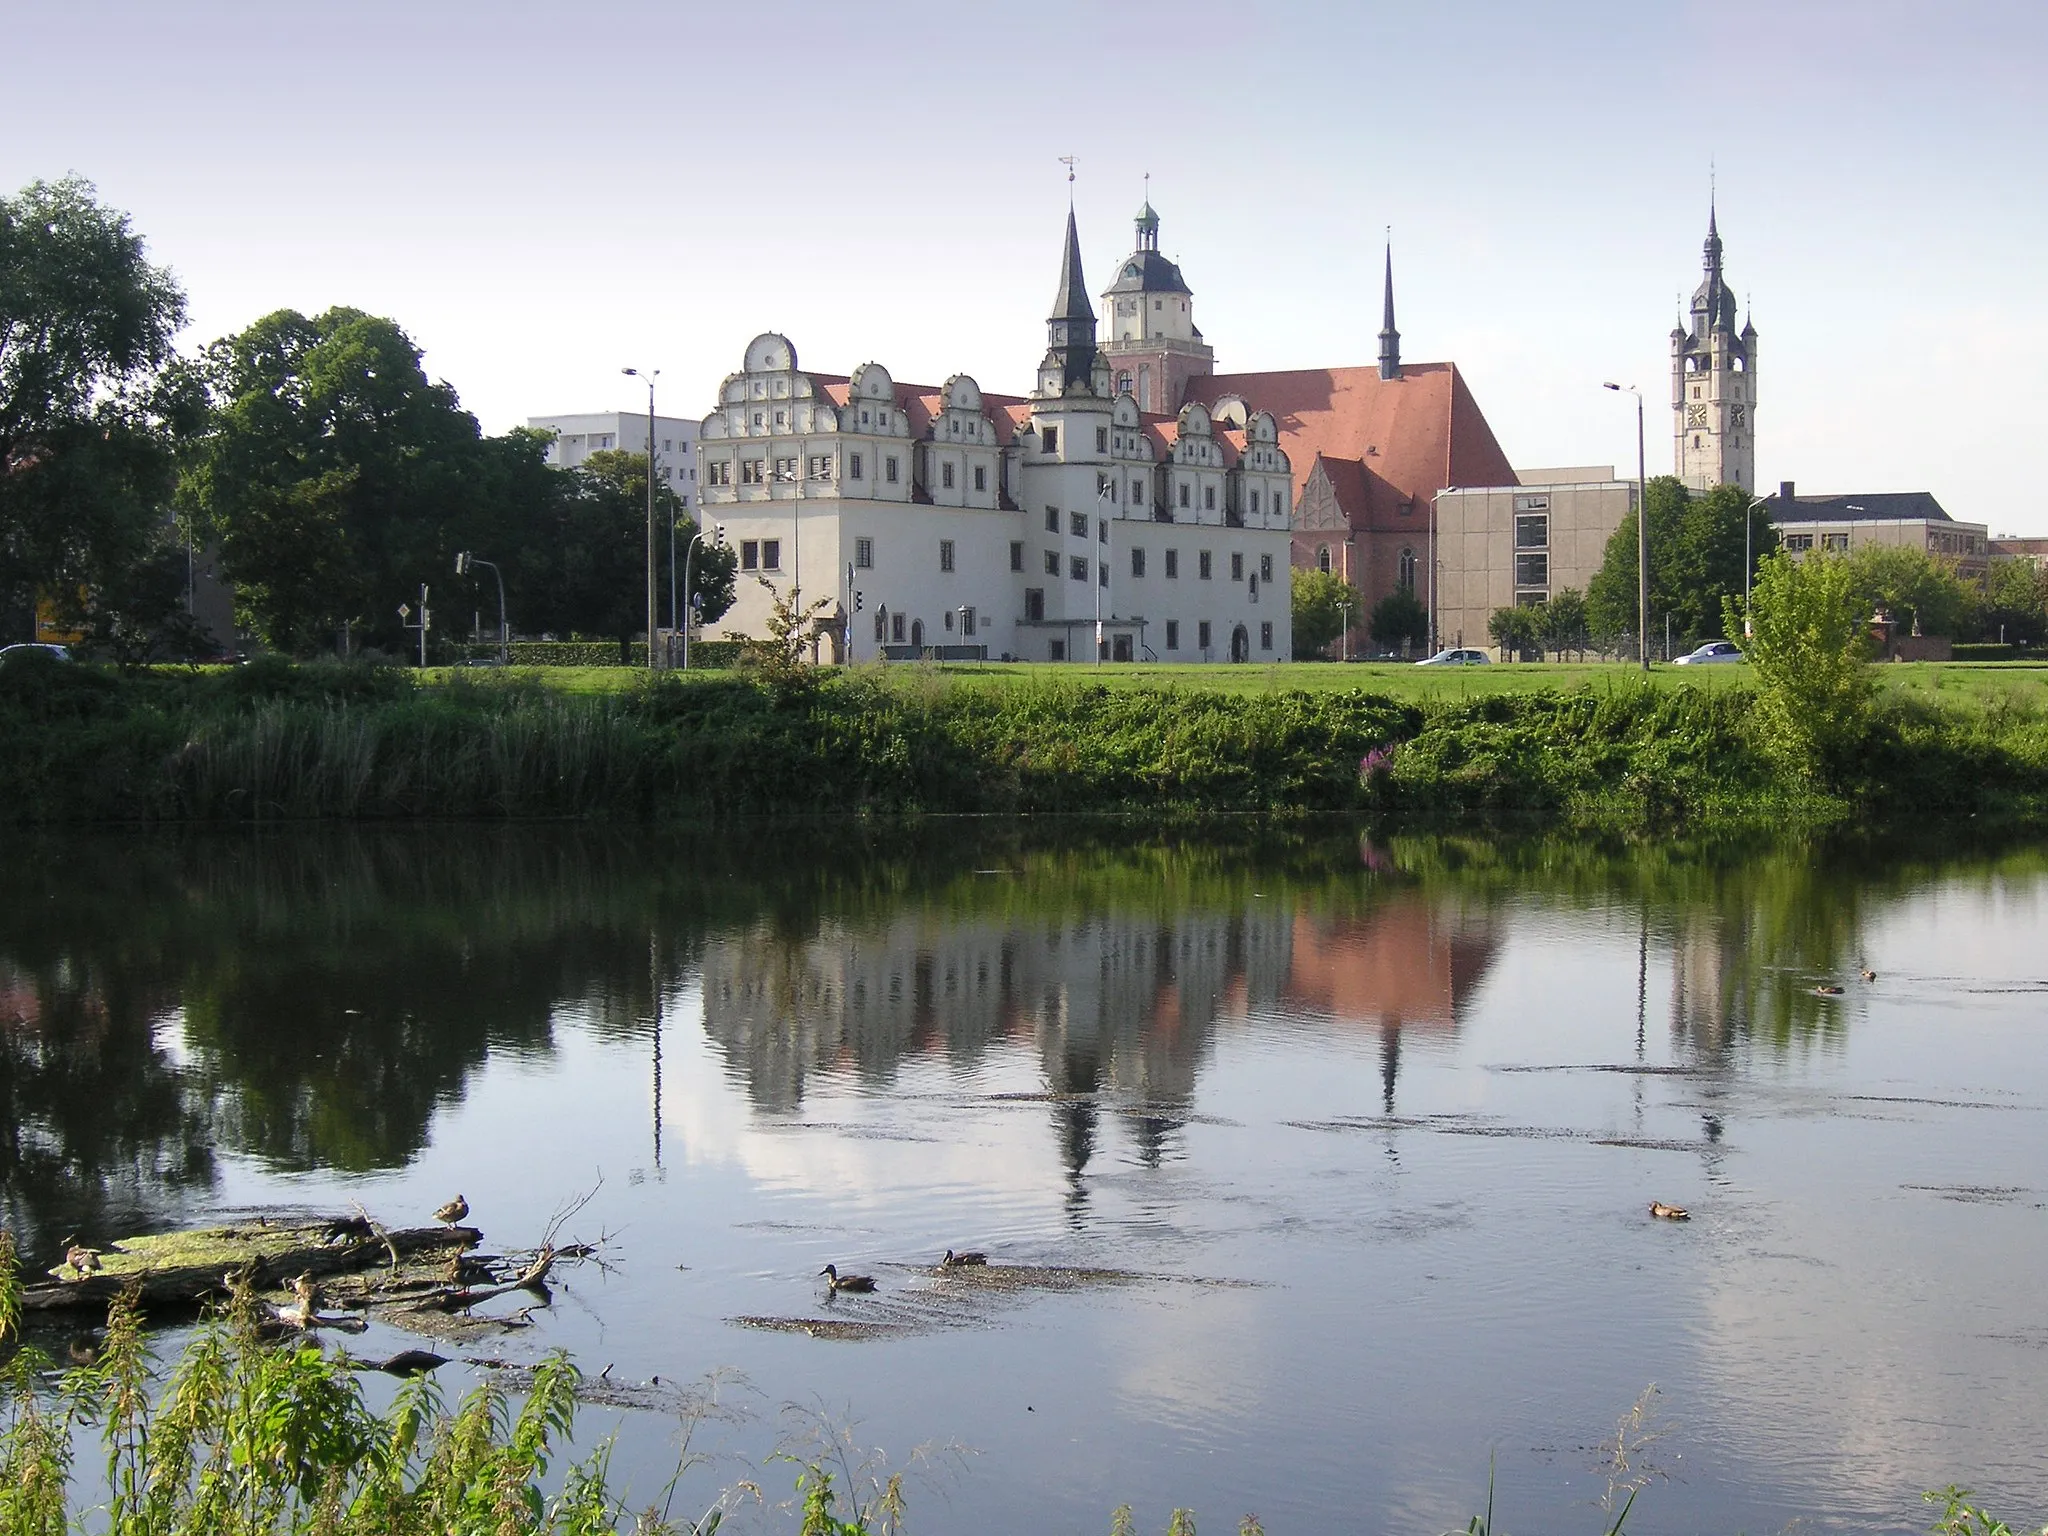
x,y
1336,1157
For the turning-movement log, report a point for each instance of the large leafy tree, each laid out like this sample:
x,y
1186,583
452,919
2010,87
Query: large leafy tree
x,y
92,408
1696,559
337,477
1320,601
1921,592
2014,603
1400,618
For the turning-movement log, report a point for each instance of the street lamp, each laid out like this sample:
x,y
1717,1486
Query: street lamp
x,y
1748,559
650,376
1642,530
463,562
717,542
1103,495
1344,634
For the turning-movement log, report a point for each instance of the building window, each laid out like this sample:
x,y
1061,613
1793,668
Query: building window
x,y
896,627
1057,651
1102,530
750,554
1137,493
757,418
1016,554
1052,519
1404,569
1077,524
719,472
1123,383
1051,438
1184,493
981,477
1209,498
945,554
1102,439
881,626
966,621
1323,557
1265,637
946,477
854,468
864,554
820,466
753,471
889,469
785,469
1255,503
1077,567
1137,562
781,418
1173,565
1173,634
1530,571
1102,485
1034,604
1202,635
1798,543
1266,569
1102,573
1532,532
771,554
1202,565
1237,565
1835,543
1052,563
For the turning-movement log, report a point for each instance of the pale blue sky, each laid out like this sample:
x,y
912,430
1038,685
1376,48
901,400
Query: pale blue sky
x,y
543,194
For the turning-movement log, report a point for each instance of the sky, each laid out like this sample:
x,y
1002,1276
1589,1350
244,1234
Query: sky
x,y
543,195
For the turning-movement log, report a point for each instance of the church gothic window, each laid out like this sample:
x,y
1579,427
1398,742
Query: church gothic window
x,y
1323,558
1406,574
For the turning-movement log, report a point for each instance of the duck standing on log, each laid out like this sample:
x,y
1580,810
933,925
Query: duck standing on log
x,y
453,1212
79,1259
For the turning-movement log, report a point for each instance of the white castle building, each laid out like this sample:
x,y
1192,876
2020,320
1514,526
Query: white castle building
x,y
1073,524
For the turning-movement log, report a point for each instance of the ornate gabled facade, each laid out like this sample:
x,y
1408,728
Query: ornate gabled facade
x,y
1713,383
1061,527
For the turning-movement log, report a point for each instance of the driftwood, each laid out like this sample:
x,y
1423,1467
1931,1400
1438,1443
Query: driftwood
x,y
183,1269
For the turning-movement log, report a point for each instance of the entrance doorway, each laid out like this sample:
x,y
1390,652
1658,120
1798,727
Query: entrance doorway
x,y
917,634
1119,647
1240,644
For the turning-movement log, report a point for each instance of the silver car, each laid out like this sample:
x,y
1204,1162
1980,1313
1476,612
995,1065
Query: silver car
x,y
1459,657
1713,651
30,647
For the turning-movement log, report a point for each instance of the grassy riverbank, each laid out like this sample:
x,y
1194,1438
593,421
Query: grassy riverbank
x,y
273,741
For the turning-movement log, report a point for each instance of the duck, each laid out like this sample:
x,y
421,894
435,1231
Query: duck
x,y
836,1282
954,1260
80,1259
1870,975
452,1212
1669,1212
1828,991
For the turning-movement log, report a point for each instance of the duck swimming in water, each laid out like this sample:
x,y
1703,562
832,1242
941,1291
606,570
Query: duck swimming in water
x,y
1669,1212
836,1282
954,1260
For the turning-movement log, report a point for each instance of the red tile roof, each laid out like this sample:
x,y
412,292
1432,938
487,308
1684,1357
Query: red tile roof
x,y
1383,441
921,402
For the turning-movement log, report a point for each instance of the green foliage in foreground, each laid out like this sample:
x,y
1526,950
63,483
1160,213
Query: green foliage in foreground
x,y
276,741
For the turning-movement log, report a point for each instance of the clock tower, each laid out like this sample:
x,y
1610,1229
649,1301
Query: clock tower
x,y
1713,385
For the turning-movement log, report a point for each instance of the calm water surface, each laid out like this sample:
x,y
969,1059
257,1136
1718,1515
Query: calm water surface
x,y
1376,1127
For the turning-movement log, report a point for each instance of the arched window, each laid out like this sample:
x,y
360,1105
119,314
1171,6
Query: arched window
x,y
1323,557
1406,570
1123,382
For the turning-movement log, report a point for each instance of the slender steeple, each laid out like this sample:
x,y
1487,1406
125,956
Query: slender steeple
x,y
1071,329
1390,339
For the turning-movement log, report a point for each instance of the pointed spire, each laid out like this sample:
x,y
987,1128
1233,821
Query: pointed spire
x,y
1071,303
1390,339
1071,328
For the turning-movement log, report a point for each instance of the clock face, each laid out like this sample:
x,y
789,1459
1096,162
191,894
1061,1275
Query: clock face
x,y
1696,416
1735,415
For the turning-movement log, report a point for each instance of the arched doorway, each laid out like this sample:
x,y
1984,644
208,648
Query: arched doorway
x,y
917,634
1240,644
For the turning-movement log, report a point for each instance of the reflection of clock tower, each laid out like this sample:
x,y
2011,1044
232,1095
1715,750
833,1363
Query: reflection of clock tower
x,y
1713,386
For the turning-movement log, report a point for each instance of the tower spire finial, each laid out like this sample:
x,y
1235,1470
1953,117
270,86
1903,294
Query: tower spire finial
x,y
1390,339
1068,162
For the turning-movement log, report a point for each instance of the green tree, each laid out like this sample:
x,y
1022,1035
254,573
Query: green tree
x,y
1921,592
2013,603
92,407
1564,626
1807,643
336,475
1320,601
1696,560
1399,618
1516,629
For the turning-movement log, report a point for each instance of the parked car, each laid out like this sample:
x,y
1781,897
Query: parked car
x,y
54,652
1713,651
1457,657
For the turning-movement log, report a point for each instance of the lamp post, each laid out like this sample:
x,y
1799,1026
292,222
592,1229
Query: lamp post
x,y
1344,634
1748,559
653,618
1642,530
463,562
1103,497
718,542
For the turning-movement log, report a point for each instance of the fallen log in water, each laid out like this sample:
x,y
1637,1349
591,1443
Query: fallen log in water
x,y
185,1268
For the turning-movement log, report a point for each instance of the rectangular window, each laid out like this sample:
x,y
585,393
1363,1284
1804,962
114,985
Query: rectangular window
x,y
1173,634
771,554
1266,569
1102,573
1057,651
1137,562
896,627
1052,519
1173,565
1532,570
945,554
719,471
1532,531
1052,562
1077,524
785,470
1016,554
1202,565
981,477
1077,567
820,466
1798,542
864,554
946,477
668,445
854,467
1051,437
1137,493
1237,565
1255,502
1265,637
1184,493
750,554
1102,439
1202,634
1102,530
752,471
881,626
889,469
1209,497
1532,503
1836,542
1034,604
1102,485
966,621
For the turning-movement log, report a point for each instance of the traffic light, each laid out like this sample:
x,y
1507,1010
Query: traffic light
x,y
462,564
859,600
718,535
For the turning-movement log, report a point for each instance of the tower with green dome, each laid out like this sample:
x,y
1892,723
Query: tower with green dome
x,y
1149,333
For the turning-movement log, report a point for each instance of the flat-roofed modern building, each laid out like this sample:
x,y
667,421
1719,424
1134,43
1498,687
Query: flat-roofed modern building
x,y
578,436
1908,519
1514,545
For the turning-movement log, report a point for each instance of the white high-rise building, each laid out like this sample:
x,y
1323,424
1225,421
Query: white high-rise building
x,y
675,444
